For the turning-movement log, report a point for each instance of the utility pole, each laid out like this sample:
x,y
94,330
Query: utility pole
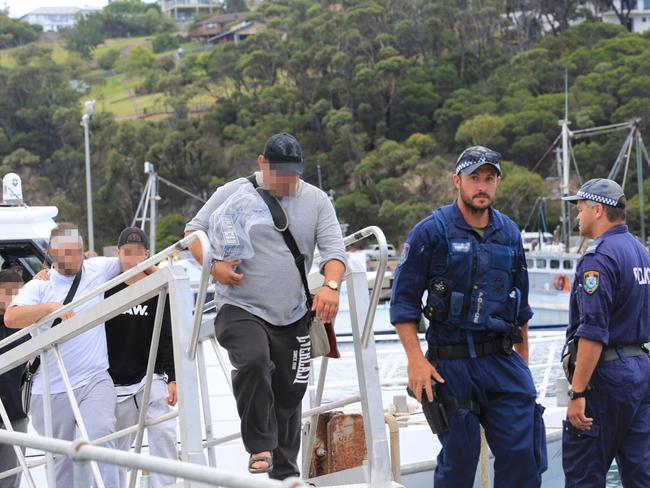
x,y
85,122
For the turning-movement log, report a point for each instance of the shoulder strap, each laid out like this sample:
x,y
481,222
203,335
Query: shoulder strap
x,y
281,223
33,367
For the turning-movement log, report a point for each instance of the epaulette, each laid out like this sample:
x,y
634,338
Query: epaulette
x,y
594,247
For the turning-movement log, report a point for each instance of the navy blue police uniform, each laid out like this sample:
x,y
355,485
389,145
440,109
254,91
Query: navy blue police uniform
x,y
610,304
476,299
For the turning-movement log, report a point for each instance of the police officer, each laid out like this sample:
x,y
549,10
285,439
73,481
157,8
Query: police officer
x,y
469,259
609,401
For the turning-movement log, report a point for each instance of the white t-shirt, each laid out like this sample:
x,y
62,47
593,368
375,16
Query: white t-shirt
x,y
84,356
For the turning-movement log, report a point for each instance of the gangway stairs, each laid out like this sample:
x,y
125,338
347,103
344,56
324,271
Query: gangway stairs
x,y
198,464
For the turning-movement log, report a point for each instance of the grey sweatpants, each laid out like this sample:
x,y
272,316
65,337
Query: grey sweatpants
x,y
161,437
8,459
96,402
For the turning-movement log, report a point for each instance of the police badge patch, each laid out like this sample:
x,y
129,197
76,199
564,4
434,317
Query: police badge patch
x,y
405,254
590,281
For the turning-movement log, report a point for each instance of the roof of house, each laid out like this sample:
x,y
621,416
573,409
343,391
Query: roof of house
x,y
55,11
233,30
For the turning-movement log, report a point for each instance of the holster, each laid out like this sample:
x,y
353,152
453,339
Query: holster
x,y
436,416
438,411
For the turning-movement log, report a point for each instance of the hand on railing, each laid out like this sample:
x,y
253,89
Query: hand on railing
x,y
55,306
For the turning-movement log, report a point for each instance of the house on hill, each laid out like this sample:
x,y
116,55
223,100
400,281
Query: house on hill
x,y
216,25
637,13
237,33
55,19
184,10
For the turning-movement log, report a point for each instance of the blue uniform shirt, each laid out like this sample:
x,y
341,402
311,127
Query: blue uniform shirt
x,y
421,255
610,298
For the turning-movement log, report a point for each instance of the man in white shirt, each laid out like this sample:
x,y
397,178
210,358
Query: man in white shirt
x,y
84,356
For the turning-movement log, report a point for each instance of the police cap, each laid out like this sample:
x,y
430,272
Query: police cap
x,y
474,157
600,190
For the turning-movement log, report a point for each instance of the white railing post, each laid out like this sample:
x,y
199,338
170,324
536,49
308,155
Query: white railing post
x,y
369,383
47,416
189,411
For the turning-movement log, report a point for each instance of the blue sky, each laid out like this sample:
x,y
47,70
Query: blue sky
x,y
18,8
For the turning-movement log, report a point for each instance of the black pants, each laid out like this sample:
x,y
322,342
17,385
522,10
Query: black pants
x,y
270,378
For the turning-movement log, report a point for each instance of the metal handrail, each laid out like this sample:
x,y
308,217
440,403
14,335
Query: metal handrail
x,y
127,275
80,451
98,442
379,277
306,414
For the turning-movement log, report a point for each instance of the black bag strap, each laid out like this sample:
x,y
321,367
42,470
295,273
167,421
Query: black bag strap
x,y
33,367
281,223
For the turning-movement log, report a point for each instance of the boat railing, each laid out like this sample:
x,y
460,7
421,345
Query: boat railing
x,y
191,331
168,281
84,454
362,307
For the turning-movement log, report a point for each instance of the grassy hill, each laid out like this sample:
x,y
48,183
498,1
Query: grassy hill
x,y
116,92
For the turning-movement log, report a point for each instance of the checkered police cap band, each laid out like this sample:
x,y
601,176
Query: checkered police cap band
x,y
469,162
597,198
477,156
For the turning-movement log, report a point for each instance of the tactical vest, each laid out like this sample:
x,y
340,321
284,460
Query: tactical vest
x,y
472,285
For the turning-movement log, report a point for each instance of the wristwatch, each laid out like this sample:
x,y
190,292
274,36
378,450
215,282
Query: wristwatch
x,y
332,285
574,395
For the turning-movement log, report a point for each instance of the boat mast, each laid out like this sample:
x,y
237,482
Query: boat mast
x,y
565,166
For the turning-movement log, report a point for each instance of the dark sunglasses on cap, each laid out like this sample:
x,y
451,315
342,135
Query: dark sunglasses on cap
x,y
480,154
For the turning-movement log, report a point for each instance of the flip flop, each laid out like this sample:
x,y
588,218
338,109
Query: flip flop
x,y
256,458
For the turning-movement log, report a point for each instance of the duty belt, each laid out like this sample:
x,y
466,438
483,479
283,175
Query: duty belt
x,y
461,351
611,353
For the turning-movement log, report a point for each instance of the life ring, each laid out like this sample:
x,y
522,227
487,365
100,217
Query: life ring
x,y
561,282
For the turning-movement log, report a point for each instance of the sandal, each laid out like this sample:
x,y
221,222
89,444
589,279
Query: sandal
x,y
257,458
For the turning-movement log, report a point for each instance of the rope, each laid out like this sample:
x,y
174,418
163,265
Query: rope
x,y
183,190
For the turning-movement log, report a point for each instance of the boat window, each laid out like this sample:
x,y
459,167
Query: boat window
x,y
530,263
555,264
541,263
567,264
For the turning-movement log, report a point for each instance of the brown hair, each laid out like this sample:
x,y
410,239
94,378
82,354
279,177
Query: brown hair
x,y
9,276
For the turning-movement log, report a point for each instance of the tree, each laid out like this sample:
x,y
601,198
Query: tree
x,y
85,36
622,9
15,33
231,6
481,130
108,59
140,60
165,42
170,229
518,191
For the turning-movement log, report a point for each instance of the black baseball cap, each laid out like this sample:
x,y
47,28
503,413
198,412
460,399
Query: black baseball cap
x,y
474,157
600,190
283,153
133,235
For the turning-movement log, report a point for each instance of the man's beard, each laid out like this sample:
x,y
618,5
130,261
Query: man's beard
x,y
471,206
